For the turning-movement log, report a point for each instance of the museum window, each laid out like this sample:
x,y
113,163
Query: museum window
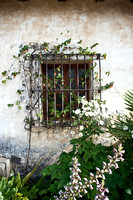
x,y
57,83
65,79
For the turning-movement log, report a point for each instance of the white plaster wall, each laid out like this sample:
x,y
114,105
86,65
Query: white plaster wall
x,y
110,23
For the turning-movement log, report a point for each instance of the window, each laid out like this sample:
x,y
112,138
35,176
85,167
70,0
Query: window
x,y
57,83
66,78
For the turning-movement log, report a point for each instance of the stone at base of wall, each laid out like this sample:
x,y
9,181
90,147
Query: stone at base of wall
x,y
4,167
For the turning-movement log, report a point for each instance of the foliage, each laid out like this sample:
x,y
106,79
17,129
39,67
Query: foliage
x,y
89,116
123,127
13,187
63,48
120,183
129,100
107,86
77,186
9,188
56,176
90,156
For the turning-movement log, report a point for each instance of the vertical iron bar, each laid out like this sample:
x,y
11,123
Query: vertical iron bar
x,y
77,79
100,75
70,89
85,77
30,128
54,91
92,84
37,66
46,92
62,84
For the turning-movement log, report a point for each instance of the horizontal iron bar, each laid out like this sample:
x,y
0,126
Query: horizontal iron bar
x,y
65,54
68,90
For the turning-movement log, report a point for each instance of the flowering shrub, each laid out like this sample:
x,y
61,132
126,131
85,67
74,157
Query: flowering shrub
x,y
76,186
90,116
89,111
120,183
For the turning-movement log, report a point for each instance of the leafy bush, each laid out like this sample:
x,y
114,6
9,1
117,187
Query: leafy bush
x,y
56,176
13,187
90,156
9,188
120,183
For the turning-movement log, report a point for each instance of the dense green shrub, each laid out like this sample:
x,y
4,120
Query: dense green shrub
x,y
120,183
9,188
90,156
13,188
56,176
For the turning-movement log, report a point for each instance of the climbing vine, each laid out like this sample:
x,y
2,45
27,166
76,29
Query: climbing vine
x,y
64,48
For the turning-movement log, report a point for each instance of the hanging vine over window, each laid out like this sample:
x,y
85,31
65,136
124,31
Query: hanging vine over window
x,y
55,77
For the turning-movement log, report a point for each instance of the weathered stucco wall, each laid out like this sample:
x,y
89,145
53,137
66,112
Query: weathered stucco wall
x,y
109,23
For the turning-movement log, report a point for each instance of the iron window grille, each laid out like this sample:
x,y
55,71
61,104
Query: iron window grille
x,y
77,73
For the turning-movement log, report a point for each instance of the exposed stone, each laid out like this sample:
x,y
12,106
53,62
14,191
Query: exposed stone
x,y
4,167
106,139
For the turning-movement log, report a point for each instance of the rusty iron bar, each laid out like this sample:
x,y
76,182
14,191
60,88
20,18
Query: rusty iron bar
x,y
39,91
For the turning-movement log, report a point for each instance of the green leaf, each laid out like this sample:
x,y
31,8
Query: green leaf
x,y
86,157
31,173
53,167
19,91
53,187
46,171
19,107
80,150
94,45
54,175
61,183
10,105
17,103
4,73
129,191
79,42
4,81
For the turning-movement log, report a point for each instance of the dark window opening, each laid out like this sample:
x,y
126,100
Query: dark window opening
x,y
57,83
65,80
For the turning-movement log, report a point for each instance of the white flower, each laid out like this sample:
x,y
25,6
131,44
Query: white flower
x,y
91,114
72,132
113,126
77,111
84,102
81,128
112,121
80,134
86,114
125,128
95,113
101,122
96,104
90,104
106,198
85,108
